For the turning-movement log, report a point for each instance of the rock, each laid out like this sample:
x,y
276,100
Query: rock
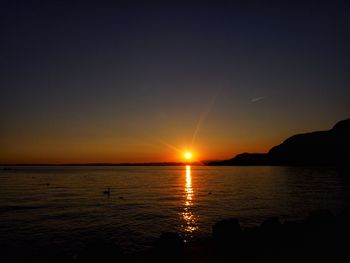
x,y
270,237
228,242
320,218
99,251
169,248
271,224
226,230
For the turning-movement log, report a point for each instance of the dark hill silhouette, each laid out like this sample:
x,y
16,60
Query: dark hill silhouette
x,y
330,147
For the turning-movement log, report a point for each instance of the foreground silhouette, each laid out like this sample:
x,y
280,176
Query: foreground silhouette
x,y
321,237
316,148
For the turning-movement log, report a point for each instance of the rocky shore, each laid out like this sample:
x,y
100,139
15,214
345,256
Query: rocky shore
x,y
320,237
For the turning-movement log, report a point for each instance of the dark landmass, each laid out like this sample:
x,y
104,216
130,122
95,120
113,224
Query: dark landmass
x,y
330,147
321,237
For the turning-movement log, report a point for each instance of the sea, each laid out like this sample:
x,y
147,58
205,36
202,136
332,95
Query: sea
x,y
63,207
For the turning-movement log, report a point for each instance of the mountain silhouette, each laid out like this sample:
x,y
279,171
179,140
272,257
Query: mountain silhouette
x,y
330,147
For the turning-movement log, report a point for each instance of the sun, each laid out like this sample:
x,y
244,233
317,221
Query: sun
x,y
188,155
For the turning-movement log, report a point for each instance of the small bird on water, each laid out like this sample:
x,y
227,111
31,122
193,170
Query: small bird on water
x,y
107,192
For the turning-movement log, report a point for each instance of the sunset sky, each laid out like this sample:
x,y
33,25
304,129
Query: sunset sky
x,y
128,82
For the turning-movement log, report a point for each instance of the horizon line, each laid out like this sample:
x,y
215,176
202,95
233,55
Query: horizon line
x,y
109,164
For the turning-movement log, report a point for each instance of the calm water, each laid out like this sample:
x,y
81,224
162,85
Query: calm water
x,y
65,206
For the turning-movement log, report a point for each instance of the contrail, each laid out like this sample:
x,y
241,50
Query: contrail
x,y
258,98
203,117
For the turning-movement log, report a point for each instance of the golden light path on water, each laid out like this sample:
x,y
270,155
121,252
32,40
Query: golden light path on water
x,y
189,217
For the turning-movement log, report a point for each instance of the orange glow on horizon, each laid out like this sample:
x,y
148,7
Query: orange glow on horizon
x,y
67,150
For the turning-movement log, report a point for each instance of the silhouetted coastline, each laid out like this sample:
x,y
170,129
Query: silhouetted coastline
x,y
330,147
320,237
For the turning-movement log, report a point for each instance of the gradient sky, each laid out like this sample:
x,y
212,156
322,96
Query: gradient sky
x,y
128,82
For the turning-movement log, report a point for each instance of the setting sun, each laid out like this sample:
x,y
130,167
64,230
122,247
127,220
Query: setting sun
x,y
188,155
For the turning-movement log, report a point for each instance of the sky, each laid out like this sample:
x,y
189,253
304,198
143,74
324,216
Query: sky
x,y
118,82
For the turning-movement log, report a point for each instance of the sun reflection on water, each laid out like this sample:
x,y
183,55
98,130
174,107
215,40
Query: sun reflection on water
x,y
189,217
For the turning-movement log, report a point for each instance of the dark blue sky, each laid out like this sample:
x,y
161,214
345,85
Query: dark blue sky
x,y
95,81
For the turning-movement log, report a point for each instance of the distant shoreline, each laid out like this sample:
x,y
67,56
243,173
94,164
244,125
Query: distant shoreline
x,y
109,164
8,166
